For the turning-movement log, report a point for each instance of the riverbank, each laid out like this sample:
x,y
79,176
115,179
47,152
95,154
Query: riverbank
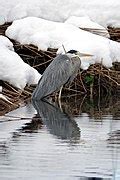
x,y
97,80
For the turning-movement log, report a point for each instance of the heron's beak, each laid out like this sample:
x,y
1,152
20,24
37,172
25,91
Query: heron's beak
x,y
84,55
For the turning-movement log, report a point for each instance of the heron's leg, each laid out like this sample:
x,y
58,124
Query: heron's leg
x,y
60,105
60,92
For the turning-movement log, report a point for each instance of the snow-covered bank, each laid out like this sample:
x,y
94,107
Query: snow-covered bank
x,y
12,67
87,24
43,34
104,12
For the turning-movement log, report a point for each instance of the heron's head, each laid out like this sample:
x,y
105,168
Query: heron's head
x,y
77,53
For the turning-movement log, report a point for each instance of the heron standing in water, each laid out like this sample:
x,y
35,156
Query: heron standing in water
x,y
61,71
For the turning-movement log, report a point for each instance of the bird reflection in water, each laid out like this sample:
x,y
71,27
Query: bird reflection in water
x,y
57,122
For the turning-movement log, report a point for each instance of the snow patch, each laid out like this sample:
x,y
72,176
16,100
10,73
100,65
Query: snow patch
x,y
86,23
104,12
48,34
13,69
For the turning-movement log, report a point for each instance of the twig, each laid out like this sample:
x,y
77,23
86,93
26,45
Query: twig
x,y
42,63
74,90
64,48
12,88
27,47
112,79
82,82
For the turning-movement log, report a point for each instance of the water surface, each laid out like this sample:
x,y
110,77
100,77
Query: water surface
x,y
81,140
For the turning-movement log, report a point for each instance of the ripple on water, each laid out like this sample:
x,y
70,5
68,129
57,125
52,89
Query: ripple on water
x,y
55,145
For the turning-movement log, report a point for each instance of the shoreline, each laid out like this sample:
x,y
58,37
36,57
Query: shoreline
x,y
94,81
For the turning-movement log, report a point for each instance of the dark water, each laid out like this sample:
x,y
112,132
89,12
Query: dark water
x,y
81,140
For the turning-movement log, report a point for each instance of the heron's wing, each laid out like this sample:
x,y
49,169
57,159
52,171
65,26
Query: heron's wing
x,y
55,75
76,63
70,80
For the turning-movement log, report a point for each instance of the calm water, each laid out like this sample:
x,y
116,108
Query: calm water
x,y
79,141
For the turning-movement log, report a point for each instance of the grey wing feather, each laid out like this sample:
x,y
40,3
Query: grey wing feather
x,y
76,63
55,75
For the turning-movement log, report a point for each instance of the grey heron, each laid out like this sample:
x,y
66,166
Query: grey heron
x,y
61,71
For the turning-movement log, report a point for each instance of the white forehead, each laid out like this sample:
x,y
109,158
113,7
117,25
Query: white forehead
x,y
72,55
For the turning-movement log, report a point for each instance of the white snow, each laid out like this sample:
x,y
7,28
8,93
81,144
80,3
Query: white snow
x,y
63,20
44,34
104,12
12,67
86,23
0,89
